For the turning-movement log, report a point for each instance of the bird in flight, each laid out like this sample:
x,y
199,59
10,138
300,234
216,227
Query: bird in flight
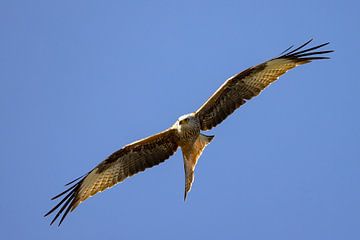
x,y
185,132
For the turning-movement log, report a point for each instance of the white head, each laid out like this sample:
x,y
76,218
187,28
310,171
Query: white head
x,y
187,121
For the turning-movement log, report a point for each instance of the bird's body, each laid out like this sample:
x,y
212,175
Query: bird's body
x,y
192,144
185,133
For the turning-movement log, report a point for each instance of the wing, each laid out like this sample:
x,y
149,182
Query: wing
x,y
249,83
131,159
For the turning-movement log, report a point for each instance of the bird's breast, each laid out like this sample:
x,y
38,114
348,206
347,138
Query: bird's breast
x,y
188,134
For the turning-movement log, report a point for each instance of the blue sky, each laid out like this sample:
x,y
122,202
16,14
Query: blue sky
x,y
80,79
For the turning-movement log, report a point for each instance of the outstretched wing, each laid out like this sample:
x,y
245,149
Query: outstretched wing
x,y
131,159
249,83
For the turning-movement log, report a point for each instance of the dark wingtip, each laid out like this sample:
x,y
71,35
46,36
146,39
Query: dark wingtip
x,y
60,194
74,180
298,48
286,49
66,203
307,54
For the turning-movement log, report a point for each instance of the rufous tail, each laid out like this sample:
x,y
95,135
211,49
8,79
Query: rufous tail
x,y
191,153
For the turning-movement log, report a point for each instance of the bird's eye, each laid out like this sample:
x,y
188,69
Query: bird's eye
x,y
184,121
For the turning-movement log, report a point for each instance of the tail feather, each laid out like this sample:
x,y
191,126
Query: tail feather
x,y
191,154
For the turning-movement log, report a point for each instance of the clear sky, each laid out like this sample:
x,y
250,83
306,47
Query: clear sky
x,y
80,79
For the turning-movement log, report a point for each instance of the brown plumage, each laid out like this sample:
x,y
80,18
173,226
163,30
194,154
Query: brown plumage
x,y
249,83
131,159
185,133
191,154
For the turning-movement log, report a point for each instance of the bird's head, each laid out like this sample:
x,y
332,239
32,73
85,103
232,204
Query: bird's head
x,y
187,121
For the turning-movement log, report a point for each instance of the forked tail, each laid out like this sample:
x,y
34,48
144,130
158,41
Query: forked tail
x,y
191,154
